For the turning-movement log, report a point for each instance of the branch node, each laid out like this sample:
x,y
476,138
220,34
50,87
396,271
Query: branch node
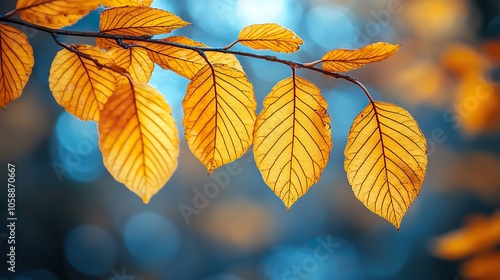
x,y
122,44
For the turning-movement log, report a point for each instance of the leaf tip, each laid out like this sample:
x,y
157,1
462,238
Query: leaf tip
x,y
396,224
146,198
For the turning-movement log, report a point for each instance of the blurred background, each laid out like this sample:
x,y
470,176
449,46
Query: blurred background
x,y
76,222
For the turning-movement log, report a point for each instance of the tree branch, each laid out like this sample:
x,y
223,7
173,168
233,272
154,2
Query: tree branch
x,y
120,38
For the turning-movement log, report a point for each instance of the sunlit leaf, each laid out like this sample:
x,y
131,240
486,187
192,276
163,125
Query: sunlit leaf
x,y
135,60
138,138
54,13
270,36
79,85
292,138
386,160
16,63
136,21
343,60
224,58
119,3
219,114
186,62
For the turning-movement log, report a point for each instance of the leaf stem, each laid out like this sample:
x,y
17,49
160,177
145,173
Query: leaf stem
x,y
313,63
10,14
230,45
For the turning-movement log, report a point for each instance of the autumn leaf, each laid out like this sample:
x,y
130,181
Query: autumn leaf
x,y
270,36
219,114
16,63
136,21
386,158
78,84
224,58
343,60
135,60
120,3
54,13
186,62
292,138
138,138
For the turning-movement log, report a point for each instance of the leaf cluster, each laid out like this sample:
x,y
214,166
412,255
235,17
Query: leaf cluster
x,y
107,83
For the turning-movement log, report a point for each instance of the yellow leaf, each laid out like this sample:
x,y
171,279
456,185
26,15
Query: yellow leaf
x,y
386,159
343,60
135,60
119,3
136,21
16,63
54,13
186,62
138,138
79,85
292,138
224,58
219,114
270,36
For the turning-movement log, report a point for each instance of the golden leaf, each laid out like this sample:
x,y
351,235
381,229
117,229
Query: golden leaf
x,y
386,160
79,85
343,60
135,60
16,63
54,13
292,138
224,58
119,3
270,36
138,138
186,62
219,114
136,21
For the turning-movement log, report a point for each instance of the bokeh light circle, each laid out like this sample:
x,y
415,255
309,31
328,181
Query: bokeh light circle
x,y
90,250
152,239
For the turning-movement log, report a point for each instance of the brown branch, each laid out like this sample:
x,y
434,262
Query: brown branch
x,y
120,38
